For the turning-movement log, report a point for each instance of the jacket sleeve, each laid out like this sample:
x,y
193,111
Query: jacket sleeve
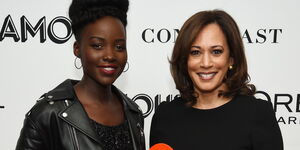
x,y
266,133
30,137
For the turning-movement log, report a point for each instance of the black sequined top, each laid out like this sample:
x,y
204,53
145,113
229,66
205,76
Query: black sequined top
x,y
114,137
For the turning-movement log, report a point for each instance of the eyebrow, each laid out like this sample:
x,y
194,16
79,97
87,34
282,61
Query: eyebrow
x,y
215,46
120,40
96,37
102,39
199,47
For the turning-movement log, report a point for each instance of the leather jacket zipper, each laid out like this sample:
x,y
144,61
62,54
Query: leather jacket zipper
x,y
142,135
73,131
75,138
134,144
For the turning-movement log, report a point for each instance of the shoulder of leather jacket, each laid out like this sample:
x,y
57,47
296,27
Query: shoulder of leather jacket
x,y
62,92
43,107
53,101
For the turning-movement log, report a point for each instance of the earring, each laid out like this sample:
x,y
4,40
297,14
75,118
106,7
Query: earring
x,y
230,67
75,63
125,70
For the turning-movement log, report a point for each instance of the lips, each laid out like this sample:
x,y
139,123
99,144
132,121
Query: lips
x,y
206,76
108,69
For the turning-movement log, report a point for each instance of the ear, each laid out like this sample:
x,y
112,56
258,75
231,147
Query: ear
x,y
76,49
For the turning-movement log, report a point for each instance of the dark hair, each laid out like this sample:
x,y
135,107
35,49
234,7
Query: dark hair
x,y
237,79
83,12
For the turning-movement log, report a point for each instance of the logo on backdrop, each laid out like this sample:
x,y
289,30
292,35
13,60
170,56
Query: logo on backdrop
x,y
41,28
151,103
283,102
260,36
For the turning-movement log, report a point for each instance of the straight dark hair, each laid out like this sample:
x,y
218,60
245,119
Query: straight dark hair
x,y
237,79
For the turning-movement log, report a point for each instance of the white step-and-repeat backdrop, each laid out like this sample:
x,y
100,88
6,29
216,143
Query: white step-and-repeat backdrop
x,y
36,55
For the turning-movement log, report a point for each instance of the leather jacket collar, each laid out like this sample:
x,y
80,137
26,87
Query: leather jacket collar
x,y
65,91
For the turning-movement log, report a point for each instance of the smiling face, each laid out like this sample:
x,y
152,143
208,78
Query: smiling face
x,y
209,60
102,50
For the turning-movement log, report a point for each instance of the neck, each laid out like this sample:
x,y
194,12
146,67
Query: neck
x,y
210,99
90,91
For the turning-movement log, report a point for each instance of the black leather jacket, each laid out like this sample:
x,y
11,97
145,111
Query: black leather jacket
x,y
59,122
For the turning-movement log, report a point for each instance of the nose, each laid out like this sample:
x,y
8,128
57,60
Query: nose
x,y
206,61
109,55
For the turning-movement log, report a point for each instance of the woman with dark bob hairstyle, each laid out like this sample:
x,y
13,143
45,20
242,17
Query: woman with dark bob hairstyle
x,y
216,109
90,114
